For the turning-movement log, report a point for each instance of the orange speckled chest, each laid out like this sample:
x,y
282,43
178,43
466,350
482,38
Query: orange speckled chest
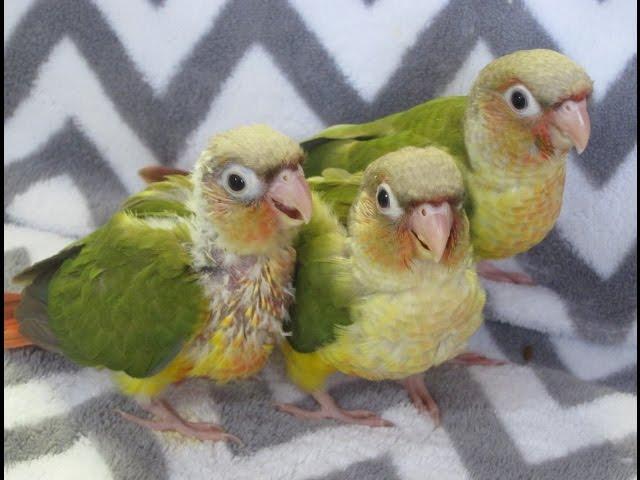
x,y
249,300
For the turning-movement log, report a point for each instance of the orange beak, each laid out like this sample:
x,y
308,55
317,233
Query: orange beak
x,y
572,119
290,196
431,224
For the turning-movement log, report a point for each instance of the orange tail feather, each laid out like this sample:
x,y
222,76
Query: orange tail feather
x,y
12,337
157,173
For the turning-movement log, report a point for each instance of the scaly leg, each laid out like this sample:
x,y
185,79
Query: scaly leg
x,y
421,397
329,409
471,358
169,420
489,271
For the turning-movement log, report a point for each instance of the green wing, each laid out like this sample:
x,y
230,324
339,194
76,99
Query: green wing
x,y
323,281
125,297
437,122
160,199
167,198
337,188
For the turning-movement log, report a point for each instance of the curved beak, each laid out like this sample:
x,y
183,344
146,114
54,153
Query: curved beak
x,y
289,193
431,224
572,119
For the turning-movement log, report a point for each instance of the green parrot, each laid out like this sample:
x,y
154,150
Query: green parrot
x,y
392,294
510,138
190,278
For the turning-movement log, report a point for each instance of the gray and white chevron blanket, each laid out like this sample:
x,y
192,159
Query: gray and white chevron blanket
x,y
94,90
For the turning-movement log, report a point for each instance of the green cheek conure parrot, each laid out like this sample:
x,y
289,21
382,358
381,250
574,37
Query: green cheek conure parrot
x,y
392,294
510,138
191,277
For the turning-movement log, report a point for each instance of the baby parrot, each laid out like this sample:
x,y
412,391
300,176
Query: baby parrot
x,y
192,277
510,138
392,294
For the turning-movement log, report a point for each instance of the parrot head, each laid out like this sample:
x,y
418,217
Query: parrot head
x,y
529,105
249,184
410,209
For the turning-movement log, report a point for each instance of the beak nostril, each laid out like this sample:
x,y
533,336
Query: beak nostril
x,y
423,212
285,178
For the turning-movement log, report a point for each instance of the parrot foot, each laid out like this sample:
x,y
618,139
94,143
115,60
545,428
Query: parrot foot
x,y
421,397
329,409
489,271
169,420
470,358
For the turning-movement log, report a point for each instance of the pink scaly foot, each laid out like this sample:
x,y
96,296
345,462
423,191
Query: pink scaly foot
x,y
470,358
489,271
421,397
329,409
170,420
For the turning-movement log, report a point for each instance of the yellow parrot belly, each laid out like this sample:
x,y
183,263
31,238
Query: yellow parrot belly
x,y
512,213
398,334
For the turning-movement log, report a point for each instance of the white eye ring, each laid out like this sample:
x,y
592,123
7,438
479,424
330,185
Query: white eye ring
x,y
252,187
521,101
387,203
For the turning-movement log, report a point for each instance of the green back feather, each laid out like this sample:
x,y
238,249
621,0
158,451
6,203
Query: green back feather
x,y
437,122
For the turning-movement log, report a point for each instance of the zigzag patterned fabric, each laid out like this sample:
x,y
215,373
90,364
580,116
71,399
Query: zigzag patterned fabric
x,y
94,90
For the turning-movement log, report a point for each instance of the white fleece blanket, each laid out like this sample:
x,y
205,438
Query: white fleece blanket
x,y
95,90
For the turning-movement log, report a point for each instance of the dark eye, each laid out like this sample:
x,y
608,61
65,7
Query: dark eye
x,y
522,101
518,100
236,182
383,198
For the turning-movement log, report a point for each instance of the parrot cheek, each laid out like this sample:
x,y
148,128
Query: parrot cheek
x,y
249,229
260,225
387,246
544,138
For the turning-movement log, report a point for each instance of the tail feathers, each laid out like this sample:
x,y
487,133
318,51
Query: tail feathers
x,y
157,173
12,336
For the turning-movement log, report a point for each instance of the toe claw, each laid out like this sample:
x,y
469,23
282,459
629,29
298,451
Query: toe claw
x,y
362,413
222,437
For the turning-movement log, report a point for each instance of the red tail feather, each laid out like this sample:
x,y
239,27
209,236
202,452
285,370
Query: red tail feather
x,y
12,337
